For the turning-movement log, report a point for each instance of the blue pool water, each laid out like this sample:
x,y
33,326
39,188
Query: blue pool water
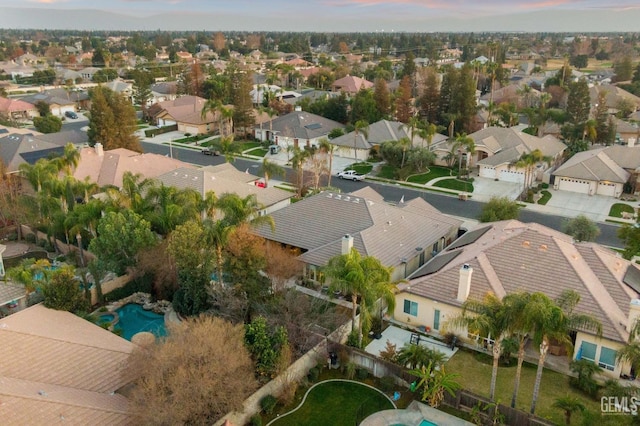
x,y
427,423
134,319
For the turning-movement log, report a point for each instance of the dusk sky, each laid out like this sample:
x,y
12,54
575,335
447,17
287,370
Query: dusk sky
x,y
398,15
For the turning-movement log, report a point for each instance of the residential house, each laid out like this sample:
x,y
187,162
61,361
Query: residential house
x,y
225,178
350,85
358,147
108,167
402,236
260,91
298,128
186,113
13,297
626,133
601,171
58,104
163,91
88,72
18,148
80,97
518,94
121,87
60,368
16,109
510,256
614,97
498,149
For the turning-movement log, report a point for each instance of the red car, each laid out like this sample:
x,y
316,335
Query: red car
x,y
260,184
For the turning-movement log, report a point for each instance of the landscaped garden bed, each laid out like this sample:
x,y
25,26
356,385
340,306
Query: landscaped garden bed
x,y
618,208
455,184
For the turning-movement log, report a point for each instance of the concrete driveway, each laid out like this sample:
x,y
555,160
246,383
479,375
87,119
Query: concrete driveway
x,y
572,204
484,189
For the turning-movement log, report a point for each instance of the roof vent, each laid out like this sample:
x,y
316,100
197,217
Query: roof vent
x,y
356,200
543,247
389,222
526,244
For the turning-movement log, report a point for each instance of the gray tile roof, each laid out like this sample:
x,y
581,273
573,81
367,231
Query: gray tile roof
x,y
303,125
16,149
514,256
593,165
11,292
384,131
496,139
389,233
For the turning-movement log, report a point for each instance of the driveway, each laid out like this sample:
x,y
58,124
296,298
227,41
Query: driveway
x,y
484,189
572,204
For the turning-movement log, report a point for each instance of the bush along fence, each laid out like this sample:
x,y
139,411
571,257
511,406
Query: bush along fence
x,y
166,129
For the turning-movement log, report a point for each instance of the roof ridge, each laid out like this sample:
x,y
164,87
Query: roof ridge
x,y
69,342
492,276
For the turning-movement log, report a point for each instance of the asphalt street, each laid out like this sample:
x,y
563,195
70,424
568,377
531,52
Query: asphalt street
x,y
393,193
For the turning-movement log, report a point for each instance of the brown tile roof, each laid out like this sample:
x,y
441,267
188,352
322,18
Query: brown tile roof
x,y
351,84
184,109
57,366
108,169
514,256
11,292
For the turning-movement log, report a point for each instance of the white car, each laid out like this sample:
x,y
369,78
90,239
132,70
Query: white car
x,y
350,175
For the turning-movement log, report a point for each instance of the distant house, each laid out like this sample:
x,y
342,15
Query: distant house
x,y
350,85
260,91
510,256
186,113
15,109
225,178
58,104
376,134
88,72
602,171
626,132
498,149
614,95
108,167
120,87
163,91
19,148
60,368
403,236
298,128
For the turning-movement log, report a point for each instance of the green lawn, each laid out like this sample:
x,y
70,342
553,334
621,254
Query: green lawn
x,y
361,168
618,208
546,196
190,139
475,376
387,172
336,403
456,184
258,151
249,145
433,173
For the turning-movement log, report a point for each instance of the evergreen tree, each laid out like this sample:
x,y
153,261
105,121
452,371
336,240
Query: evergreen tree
x,y
240,85
428,102
113,120
579,102
604,135
142,89
403,101
382,97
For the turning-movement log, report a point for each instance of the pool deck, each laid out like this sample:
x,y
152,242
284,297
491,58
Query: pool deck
x,y
412,416
400,337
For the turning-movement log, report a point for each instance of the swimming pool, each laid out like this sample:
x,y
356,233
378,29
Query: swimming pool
x,y
134,319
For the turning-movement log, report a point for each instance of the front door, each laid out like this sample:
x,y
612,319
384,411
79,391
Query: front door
x,y
436,319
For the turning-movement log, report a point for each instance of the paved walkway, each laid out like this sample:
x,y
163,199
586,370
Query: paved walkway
x,y
401,337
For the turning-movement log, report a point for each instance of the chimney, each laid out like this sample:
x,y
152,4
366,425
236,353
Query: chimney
x,y
347,244
634,314
464,283
98,148
631,142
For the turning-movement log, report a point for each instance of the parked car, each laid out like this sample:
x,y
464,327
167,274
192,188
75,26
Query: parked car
x,y
210,151
350,175
71,114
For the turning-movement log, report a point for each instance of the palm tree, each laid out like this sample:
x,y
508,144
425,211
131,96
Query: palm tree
x,y
404,144
428,132
630,353
489,318
328,148
298,159
68,161
417,356
568,404
514,304
435,382
590,131
361,126
217,236
466,143
224,114
414,124
528,161
270,169
238,210
227,147
553,320
366,279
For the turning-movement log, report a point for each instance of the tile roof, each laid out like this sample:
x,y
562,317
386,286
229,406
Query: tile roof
x,y
496,139
108,168
57,366
514,256
303,125
389,233
384,131
184,109
205,180
597,165
351,84
11,292
614,95
15,147
12,105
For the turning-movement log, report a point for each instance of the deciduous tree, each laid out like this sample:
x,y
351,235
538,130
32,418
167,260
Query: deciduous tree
x,y
499,208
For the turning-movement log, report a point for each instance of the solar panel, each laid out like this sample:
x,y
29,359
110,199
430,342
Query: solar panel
x,y
313,126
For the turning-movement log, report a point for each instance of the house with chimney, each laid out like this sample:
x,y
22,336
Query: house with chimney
x,y
403,236
511,256
185,112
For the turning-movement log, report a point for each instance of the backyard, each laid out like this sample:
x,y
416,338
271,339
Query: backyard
x,y
475,376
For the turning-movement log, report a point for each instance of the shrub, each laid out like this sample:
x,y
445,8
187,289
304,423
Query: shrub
x,y
387,384
352,340
30,238
362,373
585,382
313,375
268,403
256,420
350,370
449,337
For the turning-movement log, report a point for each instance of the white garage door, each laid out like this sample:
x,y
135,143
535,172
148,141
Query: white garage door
x,y
574,185
487,172
192,130
607,189
511,176
163,122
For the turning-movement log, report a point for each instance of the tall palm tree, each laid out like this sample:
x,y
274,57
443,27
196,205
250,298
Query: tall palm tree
x,y
238,210
415,123
405,143
489,318
225,114
528,161
227,147
42,171
328,148
428,132
69,159
360,127
270,169
366,279
553,320
465,143
514,304
298,159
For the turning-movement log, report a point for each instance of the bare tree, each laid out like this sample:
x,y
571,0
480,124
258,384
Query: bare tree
x,y
196,376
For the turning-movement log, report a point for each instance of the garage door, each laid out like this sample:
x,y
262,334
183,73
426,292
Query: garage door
x,y
487,172
163,122
192,130
573,185
511,176
607,189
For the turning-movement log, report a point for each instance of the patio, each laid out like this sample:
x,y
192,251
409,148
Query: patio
x,y
400,337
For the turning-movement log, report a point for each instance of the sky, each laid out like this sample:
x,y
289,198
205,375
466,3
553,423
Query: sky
x,y
395,15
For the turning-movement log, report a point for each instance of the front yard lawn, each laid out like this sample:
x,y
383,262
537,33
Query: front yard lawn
x,y
387,172
249,145
475,376
546,196
258,151
455,184
618,208
189,139
433,173
361,168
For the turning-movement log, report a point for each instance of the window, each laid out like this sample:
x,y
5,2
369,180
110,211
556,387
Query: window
x,y
607,358
410,307
588,351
